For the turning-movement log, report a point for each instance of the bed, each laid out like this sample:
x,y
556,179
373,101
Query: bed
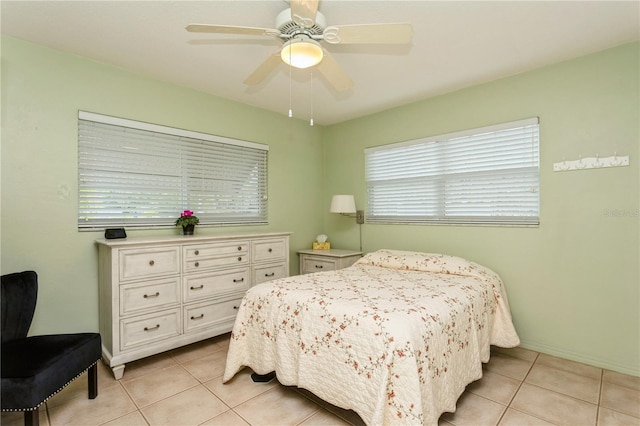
x,y
396,337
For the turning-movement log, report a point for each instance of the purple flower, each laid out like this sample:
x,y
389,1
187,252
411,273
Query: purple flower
x,y
187,218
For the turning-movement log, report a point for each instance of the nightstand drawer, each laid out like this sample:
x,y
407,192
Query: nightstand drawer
x,y
326,260
317,264
149,263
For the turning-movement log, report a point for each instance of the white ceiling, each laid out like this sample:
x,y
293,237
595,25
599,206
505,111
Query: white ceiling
x,y
456,44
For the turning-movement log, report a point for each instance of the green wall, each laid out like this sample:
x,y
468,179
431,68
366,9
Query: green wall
x,y
573,282
42,91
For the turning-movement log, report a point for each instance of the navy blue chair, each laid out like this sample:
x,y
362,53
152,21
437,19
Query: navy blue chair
x,y
34,368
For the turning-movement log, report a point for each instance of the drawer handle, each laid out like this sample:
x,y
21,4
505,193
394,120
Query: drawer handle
x,y
239,248
319,266
198,317
240,259
147,296
270,275
151,263
270,250
200,287
152,328
238,281
197,252
196,264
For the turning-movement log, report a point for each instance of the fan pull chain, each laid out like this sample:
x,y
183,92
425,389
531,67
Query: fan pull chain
x,y
290,111
311,121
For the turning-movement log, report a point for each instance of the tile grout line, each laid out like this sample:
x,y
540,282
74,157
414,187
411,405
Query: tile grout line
x,y
320,408
533,362
201,383
139,408
521,381
565,395
599,395
135,404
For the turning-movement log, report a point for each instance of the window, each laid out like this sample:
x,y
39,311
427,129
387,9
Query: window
x,y
481,176
143,175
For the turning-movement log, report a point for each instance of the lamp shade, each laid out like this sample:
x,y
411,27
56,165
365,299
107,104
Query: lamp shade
x,y
343,204
301,52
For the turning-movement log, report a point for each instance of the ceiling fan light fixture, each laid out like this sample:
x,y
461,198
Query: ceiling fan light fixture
x,y
301,52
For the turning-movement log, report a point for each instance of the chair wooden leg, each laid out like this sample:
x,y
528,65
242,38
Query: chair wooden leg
x,y
32,418
93,381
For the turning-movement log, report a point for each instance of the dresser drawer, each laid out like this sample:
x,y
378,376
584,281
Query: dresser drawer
x,y
317,264
218,283
149,328
226,249
206,315
149,263
157,294
268,250
269,272
216,262
217,255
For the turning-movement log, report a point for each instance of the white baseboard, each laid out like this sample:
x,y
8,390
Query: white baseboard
x,y
573,356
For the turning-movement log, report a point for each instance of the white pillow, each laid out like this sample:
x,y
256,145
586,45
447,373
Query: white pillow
x,y
425,262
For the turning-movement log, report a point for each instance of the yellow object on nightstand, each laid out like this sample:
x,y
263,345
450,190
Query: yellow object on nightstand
x,y
321,246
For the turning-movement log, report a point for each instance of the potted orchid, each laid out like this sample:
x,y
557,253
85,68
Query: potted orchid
x,y
188,221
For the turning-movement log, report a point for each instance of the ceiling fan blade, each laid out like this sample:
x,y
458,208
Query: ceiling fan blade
x,y
230,29
303,12
369,34
333,72
264,69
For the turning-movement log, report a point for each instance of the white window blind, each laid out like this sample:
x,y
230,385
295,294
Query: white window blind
x,y
143,175
488,175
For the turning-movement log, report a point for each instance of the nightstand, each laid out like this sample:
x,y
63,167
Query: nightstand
x,y
326,260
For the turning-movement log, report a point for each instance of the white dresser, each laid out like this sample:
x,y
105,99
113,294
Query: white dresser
x,y
160,293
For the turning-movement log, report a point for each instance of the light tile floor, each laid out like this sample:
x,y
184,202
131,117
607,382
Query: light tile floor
x,y
184,387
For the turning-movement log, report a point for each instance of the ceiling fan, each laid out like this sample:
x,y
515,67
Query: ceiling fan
x,y
301,28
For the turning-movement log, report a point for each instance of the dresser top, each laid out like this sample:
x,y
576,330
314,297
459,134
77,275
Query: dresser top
x,y
186,239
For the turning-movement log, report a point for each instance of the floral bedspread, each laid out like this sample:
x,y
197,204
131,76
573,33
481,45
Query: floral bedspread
x,y
396,337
